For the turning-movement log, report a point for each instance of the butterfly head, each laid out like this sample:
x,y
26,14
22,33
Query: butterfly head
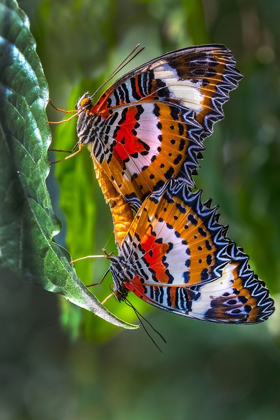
x,y
84,127
84,102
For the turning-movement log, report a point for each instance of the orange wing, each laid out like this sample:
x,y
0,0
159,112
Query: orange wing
x,y
175,239
143,159
176,257
237,297
198,78
148,127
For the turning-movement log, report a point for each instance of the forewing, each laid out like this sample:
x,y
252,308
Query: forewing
x,y
175,239
197,78
148,127
144,146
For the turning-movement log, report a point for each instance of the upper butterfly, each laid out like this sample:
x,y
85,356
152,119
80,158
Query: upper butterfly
x,y
148,127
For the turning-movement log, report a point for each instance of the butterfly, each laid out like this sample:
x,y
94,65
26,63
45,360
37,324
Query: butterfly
x,y
176,256
149,126
145,135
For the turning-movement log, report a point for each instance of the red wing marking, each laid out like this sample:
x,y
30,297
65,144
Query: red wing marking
x,y
176,240
182,92
149,145
127,142
154,252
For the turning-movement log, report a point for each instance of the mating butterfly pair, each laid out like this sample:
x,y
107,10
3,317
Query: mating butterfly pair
x,y
145,135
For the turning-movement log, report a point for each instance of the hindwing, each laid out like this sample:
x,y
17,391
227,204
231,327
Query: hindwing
x,y
238,296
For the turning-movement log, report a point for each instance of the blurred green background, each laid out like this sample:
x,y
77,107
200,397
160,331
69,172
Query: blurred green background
x,y
88,369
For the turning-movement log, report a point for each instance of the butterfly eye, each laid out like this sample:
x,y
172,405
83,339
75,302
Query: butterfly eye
x,y
85,102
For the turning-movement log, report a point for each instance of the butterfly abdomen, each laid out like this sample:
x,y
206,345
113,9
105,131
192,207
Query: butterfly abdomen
x,y
121,212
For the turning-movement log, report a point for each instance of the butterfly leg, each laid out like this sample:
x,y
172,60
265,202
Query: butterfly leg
x,y
95,256
61,110
60,151
107,298
88,256
66,151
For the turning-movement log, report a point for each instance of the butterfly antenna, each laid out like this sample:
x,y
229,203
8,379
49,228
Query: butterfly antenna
x,y
132,58
146,331
124,62
148,322
120,67
139,316
153,328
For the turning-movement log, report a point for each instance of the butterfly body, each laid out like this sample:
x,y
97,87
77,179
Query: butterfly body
x,y
121,211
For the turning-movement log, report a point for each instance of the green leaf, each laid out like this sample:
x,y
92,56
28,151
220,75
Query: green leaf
x,y
27,221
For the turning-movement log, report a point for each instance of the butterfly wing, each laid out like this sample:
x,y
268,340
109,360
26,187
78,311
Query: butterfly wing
x,y
148,127
197,78
238,296
175,256
175,239
146,145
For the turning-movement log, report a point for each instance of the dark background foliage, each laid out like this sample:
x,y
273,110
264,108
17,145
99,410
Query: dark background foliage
x,y
98,371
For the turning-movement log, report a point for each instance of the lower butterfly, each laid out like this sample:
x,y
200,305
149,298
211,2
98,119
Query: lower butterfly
x,y
176,256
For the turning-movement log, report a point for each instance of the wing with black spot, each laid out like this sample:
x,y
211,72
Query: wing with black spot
x,y
237,297
149,125
175,239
